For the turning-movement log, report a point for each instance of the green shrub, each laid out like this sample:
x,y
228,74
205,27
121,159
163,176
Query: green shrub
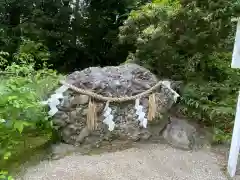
x,y
5,176
213,102
20,100
190,41
173,37
21,90
3,60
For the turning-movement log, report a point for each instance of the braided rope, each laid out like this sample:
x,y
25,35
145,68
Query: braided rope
x,y
111,99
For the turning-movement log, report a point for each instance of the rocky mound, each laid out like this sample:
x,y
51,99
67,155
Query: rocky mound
x,y
123,80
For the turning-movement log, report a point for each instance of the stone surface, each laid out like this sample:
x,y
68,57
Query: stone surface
x,y
124,80
155,162
179,133
80,100
58,151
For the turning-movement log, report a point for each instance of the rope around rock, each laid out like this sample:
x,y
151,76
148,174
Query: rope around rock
x,y
111,99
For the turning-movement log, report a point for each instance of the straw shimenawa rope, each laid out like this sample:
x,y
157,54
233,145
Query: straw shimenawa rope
x,y
152,108
111,99
92,114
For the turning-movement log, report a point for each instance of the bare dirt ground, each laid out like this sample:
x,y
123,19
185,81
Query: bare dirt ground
x,y
146,162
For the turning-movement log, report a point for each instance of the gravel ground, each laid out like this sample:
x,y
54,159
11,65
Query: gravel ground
x,y
149,162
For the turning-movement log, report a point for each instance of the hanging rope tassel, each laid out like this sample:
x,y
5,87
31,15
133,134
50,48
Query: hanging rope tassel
x,y
92,116
152,107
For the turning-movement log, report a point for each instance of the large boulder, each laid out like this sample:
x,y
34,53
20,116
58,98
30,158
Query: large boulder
x,y
112,81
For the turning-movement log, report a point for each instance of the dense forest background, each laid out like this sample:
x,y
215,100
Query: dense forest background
x,y
83,33
77,34
186,40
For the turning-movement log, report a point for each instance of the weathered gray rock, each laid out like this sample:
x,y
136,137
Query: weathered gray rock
x,y
61,150
83,134
80,100
123,80
180,134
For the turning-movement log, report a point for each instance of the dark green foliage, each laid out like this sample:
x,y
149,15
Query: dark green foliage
x,y
176,38
190,41
99,30
21,90
213,102
78,34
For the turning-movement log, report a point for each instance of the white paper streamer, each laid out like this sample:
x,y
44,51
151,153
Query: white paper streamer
x,y
139,109
107,112
53,111
108,117
144,122
106,106
168,85
62,89
141,114
57,96
54,100
137,102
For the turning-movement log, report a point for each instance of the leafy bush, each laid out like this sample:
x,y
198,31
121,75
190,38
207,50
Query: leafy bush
x,y
5,176
174,37
20,97
3,60
189,41
213,102
21,90
32,52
